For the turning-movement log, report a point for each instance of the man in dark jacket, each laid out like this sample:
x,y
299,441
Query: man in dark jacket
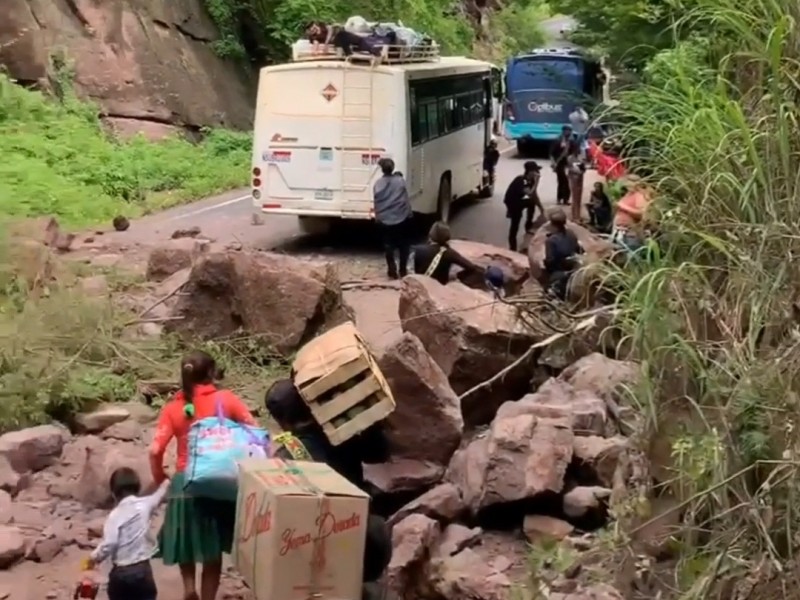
x,y
522,197
393,213
560,252
560,151
307,441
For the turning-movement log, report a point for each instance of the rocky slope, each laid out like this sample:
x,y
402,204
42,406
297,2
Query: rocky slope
x,y
148,64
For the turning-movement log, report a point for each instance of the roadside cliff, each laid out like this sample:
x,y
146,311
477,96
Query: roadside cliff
x,y
148,64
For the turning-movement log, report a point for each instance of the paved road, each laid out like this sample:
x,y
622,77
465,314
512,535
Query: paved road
x,y
227,218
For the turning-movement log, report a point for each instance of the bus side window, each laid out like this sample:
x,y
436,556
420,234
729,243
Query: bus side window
x,y
433,120
413,119
422,122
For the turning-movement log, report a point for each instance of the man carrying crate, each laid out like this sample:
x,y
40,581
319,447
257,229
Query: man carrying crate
x,y
304,439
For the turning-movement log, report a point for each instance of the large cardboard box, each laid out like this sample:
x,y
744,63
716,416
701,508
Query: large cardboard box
x,y
300,531
340,381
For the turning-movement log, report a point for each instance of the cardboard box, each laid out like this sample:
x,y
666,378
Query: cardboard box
x,y
300,531
340,381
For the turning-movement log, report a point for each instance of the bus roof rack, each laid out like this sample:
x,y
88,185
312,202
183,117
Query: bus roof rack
x,y
389,54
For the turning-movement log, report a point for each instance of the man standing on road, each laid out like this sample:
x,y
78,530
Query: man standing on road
x,y
522,196
579,119
559,154
393,214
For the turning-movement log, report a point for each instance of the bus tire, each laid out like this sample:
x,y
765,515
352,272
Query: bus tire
x,y
315,225
444,199
523,148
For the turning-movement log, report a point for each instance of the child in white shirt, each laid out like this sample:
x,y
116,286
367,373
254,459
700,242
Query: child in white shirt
x,y
126,540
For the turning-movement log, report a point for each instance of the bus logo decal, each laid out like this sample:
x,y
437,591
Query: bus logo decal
x,y
545,107
329,92
276,157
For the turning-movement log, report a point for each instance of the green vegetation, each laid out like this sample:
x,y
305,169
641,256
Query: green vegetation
x,y
263,30
715,320
58,160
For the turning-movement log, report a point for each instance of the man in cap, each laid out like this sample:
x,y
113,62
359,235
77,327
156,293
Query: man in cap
x,y
522,197
393,213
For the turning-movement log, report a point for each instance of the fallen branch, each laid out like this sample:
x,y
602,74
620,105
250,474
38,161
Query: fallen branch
x,y
584,324
161,300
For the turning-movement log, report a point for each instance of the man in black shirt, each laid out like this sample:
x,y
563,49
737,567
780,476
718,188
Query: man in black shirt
x,y
435,258
560,151
560,251
287,407
522,196
490,159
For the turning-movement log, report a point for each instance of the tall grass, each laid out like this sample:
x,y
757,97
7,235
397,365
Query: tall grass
x,y
714,317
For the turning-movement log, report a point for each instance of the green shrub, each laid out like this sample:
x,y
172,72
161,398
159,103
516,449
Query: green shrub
x,y
58,160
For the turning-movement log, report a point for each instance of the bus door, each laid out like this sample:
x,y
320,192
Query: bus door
x,y
497,99
488,108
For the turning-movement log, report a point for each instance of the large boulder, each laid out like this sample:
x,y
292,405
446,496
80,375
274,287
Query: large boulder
x,y
513,264
34,448
523,457
443,503
411,541
172,256
606,377
426,424
142,63
284,299
471,337
583,410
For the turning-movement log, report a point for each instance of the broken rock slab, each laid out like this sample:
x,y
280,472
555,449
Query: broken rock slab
x,y
100,419
403,475
426,423
34,448
585,411
442,503
467,574
596,459
471,337
522,457
12,546
412,539
541,528
170,257
514,265
284,299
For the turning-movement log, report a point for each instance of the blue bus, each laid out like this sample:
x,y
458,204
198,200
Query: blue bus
x,y
543,87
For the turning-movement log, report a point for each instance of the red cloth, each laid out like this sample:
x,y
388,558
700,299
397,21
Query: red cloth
x,y
608,165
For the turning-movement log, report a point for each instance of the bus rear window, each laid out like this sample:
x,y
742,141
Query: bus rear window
x,y
546,74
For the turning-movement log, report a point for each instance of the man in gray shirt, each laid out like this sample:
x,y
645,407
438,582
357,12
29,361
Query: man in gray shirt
x,y
393,214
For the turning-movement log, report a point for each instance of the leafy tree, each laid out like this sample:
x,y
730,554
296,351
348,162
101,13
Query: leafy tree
x,y
628,32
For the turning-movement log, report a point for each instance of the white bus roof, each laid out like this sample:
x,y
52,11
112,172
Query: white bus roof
x,y
454,64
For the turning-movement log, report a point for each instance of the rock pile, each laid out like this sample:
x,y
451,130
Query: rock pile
x,y
473,481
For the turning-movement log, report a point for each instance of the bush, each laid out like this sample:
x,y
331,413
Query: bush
x,y
715,318
57,160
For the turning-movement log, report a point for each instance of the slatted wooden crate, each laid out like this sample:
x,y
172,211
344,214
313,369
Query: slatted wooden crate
x,y
340,381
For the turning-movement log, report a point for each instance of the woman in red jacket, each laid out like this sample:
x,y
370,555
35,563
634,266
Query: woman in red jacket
x,y
195,530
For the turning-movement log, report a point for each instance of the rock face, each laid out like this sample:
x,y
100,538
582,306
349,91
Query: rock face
x,y
470,337
427,423
149,66
285,299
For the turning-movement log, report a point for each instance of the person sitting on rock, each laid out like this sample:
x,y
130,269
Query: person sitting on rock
x,y
561,250
435,258
600,209
303,439
630,221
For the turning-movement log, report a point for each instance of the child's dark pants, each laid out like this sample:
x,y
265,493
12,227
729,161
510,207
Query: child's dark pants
x,y
132,582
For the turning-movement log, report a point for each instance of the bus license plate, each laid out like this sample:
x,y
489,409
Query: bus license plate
x,y
323,195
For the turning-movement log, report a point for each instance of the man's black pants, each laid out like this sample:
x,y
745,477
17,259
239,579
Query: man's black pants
x,y
562,186
515,220
132,582
397,238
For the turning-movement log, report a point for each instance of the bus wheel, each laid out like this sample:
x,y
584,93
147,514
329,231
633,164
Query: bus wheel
x,y
315,225
445,198
523,147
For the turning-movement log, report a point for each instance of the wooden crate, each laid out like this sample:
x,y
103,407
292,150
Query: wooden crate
x,y
337,375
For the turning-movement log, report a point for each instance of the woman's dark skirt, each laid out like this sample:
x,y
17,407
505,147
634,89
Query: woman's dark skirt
x,y
195,530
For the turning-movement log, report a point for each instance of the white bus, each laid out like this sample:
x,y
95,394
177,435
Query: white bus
x,y
322,125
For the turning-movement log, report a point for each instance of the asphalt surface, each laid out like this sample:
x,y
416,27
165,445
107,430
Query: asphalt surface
x,y
228,218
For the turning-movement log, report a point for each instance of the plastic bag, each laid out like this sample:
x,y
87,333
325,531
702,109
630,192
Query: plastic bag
x,y
216,445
